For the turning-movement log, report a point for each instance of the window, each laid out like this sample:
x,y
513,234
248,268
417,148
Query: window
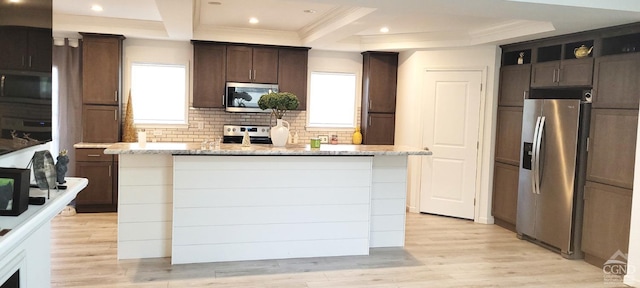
x,y
159,93
332,100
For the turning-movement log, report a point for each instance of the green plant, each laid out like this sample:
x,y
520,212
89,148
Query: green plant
x,y
278,102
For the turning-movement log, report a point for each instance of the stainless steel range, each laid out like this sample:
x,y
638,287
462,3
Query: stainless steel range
x,y
257,134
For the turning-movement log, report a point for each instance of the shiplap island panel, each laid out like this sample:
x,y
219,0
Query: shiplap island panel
x,y
260,202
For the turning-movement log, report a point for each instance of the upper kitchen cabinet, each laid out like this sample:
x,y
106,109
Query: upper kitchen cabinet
x,y
209,65
25,48
558,66
616,81
292,73
379,81
514,84
101,68
252,64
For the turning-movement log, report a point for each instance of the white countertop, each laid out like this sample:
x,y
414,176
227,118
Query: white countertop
x,y
36,215
264,149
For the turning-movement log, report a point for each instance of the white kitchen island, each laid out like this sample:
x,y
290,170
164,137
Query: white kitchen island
x,y
260,202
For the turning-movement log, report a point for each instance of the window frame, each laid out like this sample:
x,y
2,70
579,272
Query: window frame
x,y
356,99
187,89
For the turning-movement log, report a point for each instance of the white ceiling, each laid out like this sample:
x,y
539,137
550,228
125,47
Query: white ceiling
x,y
350,25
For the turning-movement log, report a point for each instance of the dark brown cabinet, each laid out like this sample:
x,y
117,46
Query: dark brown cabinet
x,y
508,131
101,68
379,83
380,129
612,142
101,170
505,194
25,48
616,81
100,124
292,73
607,217
252,64
514,84
209,65
565,73
379,79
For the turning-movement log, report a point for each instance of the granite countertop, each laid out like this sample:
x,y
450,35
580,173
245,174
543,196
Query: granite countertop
x,y
264,149
84,145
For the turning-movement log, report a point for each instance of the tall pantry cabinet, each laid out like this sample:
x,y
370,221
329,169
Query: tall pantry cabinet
x,y
101,106
379,82
611,73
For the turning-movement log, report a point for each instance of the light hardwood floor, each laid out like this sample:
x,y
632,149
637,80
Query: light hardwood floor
x,y
439,252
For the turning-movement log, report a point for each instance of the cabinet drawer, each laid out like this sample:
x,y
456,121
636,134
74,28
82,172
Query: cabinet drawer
x,y
93,155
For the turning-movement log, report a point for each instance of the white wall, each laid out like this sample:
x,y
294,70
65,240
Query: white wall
x,y
412,66
633,259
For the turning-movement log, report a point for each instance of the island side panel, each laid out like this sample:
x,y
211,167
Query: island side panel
x,y
388,207
229,208
145,205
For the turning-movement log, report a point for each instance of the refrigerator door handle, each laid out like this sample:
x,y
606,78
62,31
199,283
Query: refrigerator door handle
x,y
534,156
537,173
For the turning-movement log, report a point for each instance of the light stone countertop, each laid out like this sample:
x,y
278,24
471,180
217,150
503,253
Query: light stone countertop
x,y
85,145
264,149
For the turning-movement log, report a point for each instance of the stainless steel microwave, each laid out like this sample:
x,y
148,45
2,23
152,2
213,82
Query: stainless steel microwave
x,y
243,97
23,86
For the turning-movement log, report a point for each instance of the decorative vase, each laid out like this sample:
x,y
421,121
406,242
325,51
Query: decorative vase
x,y
280,133
357,137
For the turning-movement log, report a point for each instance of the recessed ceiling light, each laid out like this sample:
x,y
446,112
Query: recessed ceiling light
x,y
14,1
214,3
310,11
253,20
96,7
384,29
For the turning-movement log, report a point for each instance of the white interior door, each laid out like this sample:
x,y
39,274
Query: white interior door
x,y
451,128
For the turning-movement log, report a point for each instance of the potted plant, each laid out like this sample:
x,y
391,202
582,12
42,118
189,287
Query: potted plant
x,y
279,103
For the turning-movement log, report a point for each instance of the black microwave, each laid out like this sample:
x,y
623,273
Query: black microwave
x,y
243,97
25,86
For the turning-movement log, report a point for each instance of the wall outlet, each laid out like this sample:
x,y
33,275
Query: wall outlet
x,y
157,132
324,138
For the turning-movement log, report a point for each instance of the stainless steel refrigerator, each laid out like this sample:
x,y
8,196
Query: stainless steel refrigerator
x,y
552,173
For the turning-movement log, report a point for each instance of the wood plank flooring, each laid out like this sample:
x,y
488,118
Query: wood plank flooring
x,y
439,252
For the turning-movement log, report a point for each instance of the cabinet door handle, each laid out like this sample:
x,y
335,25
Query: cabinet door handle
x,y
93,155
30,61
559,70
115,115
254,74
116,95
223,103
249,74
109,170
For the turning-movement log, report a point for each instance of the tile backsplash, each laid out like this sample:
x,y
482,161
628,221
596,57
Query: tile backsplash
x,y
212,119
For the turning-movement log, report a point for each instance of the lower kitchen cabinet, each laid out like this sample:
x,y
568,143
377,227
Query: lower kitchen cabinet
x,y
378,129
100,124
505,195
607,218
101,195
